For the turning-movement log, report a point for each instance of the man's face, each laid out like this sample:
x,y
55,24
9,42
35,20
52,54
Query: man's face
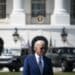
x,y
40,48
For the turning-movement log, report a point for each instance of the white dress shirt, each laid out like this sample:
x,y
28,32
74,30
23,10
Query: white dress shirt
x,y
37,59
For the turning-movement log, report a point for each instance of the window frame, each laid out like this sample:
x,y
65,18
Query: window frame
x,y
3,9
44,9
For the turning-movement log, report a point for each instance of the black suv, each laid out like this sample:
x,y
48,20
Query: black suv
x,y
63,57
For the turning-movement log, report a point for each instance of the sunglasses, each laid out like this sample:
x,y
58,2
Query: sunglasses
x,y
42,48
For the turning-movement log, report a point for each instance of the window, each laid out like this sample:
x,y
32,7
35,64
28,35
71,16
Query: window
x,y
72,9
38,8
2,9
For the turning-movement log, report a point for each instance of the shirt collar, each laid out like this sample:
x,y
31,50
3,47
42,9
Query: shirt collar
x,y
37,56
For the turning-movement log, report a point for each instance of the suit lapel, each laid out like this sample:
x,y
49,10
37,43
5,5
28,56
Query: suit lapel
x,y
35,62
45,64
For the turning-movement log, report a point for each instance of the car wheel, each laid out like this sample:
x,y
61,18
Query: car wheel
x,y
70,67
17,70
64,66
1,67
11,69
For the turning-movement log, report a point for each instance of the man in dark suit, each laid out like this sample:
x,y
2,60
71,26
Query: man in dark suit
x,y
38,63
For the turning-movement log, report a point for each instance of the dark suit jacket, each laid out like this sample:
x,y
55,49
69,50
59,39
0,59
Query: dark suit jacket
x,y
31,66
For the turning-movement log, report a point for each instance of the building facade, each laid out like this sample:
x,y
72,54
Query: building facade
x,y
37,17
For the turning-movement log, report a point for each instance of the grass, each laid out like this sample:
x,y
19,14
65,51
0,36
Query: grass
x,y
64,73
20,73
10,73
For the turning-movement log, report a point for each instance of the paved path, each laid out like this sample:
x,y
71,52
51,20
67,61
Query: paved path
x,y
21,69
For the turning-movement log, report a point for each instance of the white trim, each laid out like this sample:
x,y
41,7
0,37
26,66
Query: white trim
x,y
4,20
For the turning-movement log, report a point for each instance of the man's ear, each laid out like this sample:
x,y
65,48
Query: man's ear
x,y
34,49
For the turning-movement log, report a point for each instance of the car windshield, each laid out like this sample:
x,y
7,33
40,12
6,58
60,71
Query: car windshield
x,y
66,51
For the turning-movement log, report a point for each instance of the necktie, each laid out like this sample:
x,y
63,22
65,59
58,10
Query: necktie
x,y
40,65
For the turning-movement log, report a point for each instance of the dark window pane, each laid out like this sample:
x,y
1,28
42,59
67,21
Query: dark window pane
x,y
2,8
73,8
38,8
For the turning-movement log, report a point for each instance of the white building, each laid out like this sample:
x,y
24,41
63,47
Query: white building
x,y
37,17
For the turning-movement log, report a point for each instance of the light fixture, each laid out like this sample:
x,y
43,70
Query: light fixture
x,y
16,35
64,35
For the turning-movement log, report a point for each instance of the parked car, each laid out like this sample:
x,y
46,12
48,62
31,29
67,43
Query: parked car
x,y
12,59
63,57
6,60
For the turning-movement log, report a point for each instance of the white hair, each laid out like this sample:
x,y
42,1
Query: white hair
x,y
38,42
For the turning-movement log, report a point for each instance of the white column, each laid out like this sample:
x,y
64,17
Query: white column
x,y
17,16
60,14
60,6
17,6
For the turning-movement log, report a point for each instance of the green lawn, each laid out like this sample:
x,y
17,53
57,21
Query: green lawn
x,y
10,73
65,73
20,73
